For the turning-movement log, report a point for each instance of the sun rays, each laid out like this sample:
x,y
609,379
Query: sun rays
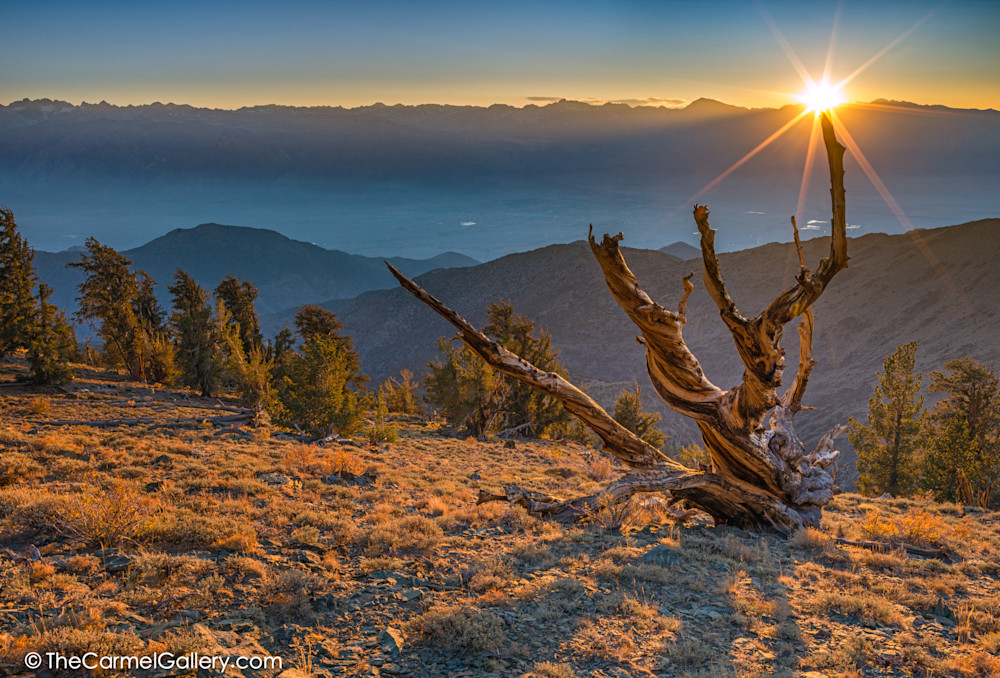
x,y
821,96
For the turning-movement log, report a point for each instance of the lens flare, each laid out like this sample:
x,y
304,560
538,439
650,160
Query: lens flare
x,y
821,96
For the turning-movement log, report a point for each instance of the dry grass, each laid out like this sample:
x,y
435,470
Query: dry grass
x,y
219,538
106,515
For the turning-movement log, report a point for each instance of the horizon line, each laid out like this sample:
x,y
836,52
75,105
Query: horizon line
x,y
534,102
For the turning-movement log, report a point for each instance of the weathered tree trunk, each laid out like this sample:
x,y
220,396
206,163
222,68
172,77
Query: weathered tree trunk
x,y
761,476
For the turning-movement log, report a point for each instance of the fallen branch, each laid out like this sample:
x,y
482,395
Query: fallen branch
x,y
940,554
138,421
512,431
14,443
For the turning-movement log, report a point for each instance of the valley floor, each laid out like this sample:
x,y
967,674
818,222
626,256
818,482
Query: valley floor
x,y
375,560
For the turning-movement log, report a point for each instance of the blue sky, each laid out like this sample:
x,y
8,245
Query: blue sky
x,y
232,54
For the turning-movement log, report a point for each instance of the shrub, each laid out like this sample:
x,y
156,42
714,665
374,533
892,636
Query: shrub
x,y
600,467
291,594
401,394
380,429
551,670
917,526
810,539
244,541
459,629
629,413
316,461
409,534
105,516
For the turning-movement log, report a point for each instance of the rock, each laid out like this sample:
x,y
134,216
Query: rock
x,y
942,611
293,673
162,459
327,648
348,478
662,555
475,476
114,560
193,615
349,653
410,595
206,638
885,495
274,479
327,601
154,486
391,641
244,626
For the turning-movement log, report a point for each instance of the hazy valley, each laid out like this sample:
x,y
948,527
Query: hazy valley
x,y
417,181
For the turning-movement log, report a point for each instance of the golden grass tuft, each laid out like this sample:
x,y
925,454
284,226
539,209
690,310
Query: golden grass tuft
x,y
106,515
460,629
810,539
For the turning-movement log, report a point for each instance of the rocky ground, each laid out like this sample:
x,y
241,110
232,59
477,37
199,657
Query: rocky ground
x,y
373,559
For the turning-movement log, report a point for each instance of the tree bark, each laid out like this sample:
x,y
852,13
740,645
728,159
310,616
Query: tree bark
x,y
760,477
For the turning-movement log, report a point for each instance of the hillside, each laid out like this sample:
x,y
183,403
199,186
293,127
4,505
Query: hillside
x,y
361,560
287,272
933,286
682,251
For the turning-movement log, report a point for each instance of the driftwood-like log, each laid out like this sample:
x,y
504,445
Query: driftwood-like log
x,y
940,554
138,421
760,477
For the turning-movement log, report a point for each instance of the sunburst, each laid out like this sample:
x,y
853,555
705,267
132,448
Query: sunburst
x,y
822,96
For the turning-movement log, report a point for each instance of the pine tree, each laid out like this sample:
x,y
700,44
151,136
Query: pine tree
x,y
400,393
238,296
108,297
525,406
123,307
17,279
249,371
51,342
197,347
630,414
963,430
318,387
320,391
145,305
471,395
465,390
311,320
887,443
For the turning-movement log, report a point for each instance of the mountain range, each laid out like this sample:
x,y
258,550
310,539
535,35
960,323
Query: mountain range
x,y
286,272
416,181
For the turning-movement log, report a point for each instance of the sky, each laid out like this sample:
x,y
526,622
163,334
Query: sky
x,y
307,53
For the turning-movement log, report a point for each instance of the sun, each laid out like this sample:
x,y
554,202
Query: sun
x,y
822,96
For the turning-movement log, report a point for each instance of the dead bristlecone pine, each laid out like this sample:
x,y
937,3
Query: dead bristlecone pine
x,y
761,475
